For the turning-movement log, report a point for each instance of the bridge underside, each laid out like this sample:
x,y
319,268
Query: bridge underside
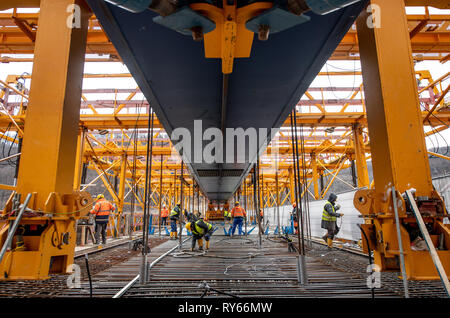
x,y
182,85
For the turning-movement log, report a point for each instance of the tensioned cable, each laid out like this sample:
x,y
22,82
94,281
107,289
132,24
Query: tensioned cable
x,y
353,85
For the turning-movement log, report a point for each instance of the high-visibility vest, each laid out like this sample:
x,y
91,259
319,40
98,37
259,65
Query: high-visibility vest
x,y
102,209
199,230
326,216
175,213
238,212
164,213
226,213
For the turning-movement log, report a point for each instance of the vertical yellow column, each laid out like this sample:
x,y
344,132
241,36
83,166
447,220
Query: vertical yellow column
x,y
397,140
360,157
79,160
122,179
291,185
50,141
315,176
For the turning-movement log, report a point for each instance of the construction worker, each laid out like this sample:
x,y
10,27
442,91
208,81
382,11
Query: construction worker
x,y
329,217
261,214
101,210
294,217
190,217
174,217
227,215
238,214
164,215
200,229
226,212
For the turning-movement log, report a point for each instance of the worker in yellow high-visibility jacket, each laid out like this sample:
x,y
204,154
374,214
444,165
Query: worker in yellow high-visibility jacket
x,y
174,217
329,217
200,229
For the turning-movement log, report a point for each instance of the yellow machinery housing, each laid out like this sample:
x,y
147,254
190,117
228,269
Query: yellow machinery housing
x,y
380,229
48,237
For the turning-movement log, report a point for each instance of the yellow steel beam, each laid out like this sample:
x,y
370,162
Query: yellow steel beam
x,y
131,121
438,155
16,41
397,140
79,160
315,175
53,115
441,4
7,4
360,157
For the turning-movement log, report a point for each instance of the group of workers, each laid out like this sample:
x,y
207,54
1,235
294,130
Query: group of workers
x,y
195,224
200,228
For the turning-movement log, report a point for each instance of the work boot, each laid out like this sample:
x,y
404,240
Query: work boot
x,y
330,242
325,238
207,245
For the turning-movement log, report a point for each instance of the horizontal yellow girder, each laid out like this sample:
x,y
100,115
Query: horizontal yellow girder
x,y
14,41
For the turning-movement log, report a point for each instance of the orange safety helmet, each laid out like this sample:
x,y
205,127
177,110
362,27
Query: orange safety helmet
x,y
294,204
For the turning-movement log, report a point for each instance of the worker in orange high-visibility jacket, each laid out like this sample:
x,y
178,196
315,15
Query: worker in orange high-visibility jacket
x,y
164,215
101,210
238,214
294,217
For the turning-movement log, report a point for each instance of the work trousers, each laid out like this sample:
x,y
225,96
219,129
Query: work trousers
x,y
195,238
237,221
173,225
100,227
164,221
331,230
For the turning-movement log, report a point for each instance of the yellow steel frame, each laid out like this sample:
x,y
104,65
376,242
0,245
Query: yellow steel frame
x,y
399,153
50,143
13,39
328,153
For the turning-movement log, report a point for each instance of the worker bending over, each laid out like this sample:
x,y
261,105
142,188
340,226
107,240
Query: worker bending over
x,y
174,217
329,217
238,214
164,215
101,210
200,229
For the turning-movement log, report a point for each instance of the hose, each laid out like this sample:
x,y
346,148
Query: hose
x,y
208,288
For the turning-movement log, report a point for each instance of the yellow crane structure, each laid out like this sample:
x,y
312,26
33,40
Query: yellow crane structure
x,y
381,120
